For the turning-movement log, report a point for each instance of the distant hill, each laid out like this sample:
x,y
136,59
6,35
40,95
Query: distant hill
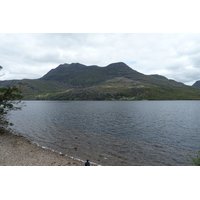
x,y
77,74
196,84
116,81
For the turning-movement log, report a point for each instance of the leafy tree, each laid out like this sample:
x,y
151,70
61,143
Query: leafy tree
x,y
9,100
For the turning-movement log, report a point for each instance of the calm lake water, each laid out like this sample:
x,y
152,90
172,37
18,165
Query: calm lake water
x,y
114,132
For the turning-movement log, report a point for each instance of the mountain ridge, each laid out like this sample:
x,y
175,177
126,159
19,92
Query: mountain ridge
x,y
196,84
110,71
76,73
116,81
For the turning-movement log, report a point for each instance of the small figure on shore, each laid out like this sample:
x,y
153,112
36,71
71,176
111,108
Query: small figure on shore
x,y
87,163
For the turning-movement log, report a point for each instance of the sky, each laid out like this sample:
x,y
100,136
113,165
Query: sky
x,y
174,55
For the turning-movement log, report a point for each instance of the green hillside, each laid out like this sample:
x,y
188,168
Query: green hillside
x,y
116,81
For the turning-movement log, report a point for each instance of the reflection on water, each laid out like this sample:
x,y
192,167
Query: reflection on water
x,y
114,132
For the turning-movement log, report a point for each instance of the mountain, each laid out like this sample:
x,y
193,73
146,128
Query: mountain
x,y
116,81
80,75
196,84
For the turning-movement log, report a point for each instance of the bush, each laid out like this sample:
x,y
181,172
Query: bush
x,y
195,160
9,100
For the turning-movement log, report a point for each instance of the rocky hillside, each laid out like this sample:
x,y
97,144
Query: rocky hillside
x,y
116,81
78,75
196,84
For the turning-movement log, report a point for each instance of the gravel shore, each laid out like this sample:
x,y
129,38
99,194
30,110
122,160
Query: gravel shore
x,y
18,151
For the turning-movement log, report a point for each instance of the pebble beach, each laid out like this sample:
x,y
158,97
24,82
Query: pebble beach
x,y
18,151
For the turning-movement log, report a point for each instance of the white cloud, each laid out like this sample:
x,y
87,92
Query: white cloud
x,y
175,56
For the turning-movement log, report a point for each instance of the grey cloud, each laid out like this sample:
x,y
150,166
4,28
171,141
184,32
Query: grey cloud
x,y
53,56
175,56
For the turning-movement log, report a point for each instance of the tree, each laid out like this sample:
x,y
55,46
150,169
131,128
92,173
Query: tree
x,y
9,100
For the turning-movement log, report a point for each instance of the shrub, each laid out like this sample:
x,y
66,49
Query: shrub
x,y
195,160
8,97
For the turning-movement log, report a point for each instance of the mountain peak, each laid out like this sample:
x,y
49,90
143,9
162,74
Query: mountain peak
x,y
70,65
196,84
77,65
79,74
118,65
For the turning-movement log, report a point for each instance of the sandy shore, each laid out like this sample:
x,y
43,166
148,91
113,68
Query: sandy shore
x,y
18,151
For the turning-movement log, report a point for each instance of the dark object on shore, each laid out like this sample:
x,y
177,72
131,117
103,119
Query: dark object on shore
x,y
87,163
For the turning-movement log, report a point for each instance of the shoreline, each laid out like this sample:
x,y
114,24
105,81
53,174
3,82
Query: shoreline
x,y
60,153
18,151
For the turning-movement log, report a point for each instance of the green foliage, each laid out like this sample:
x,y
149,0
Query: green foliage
x,y
8,97
195,160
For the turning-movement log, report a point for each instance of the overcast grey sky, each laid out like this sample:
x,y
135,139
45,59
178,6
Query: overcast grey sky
x,y
176,56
